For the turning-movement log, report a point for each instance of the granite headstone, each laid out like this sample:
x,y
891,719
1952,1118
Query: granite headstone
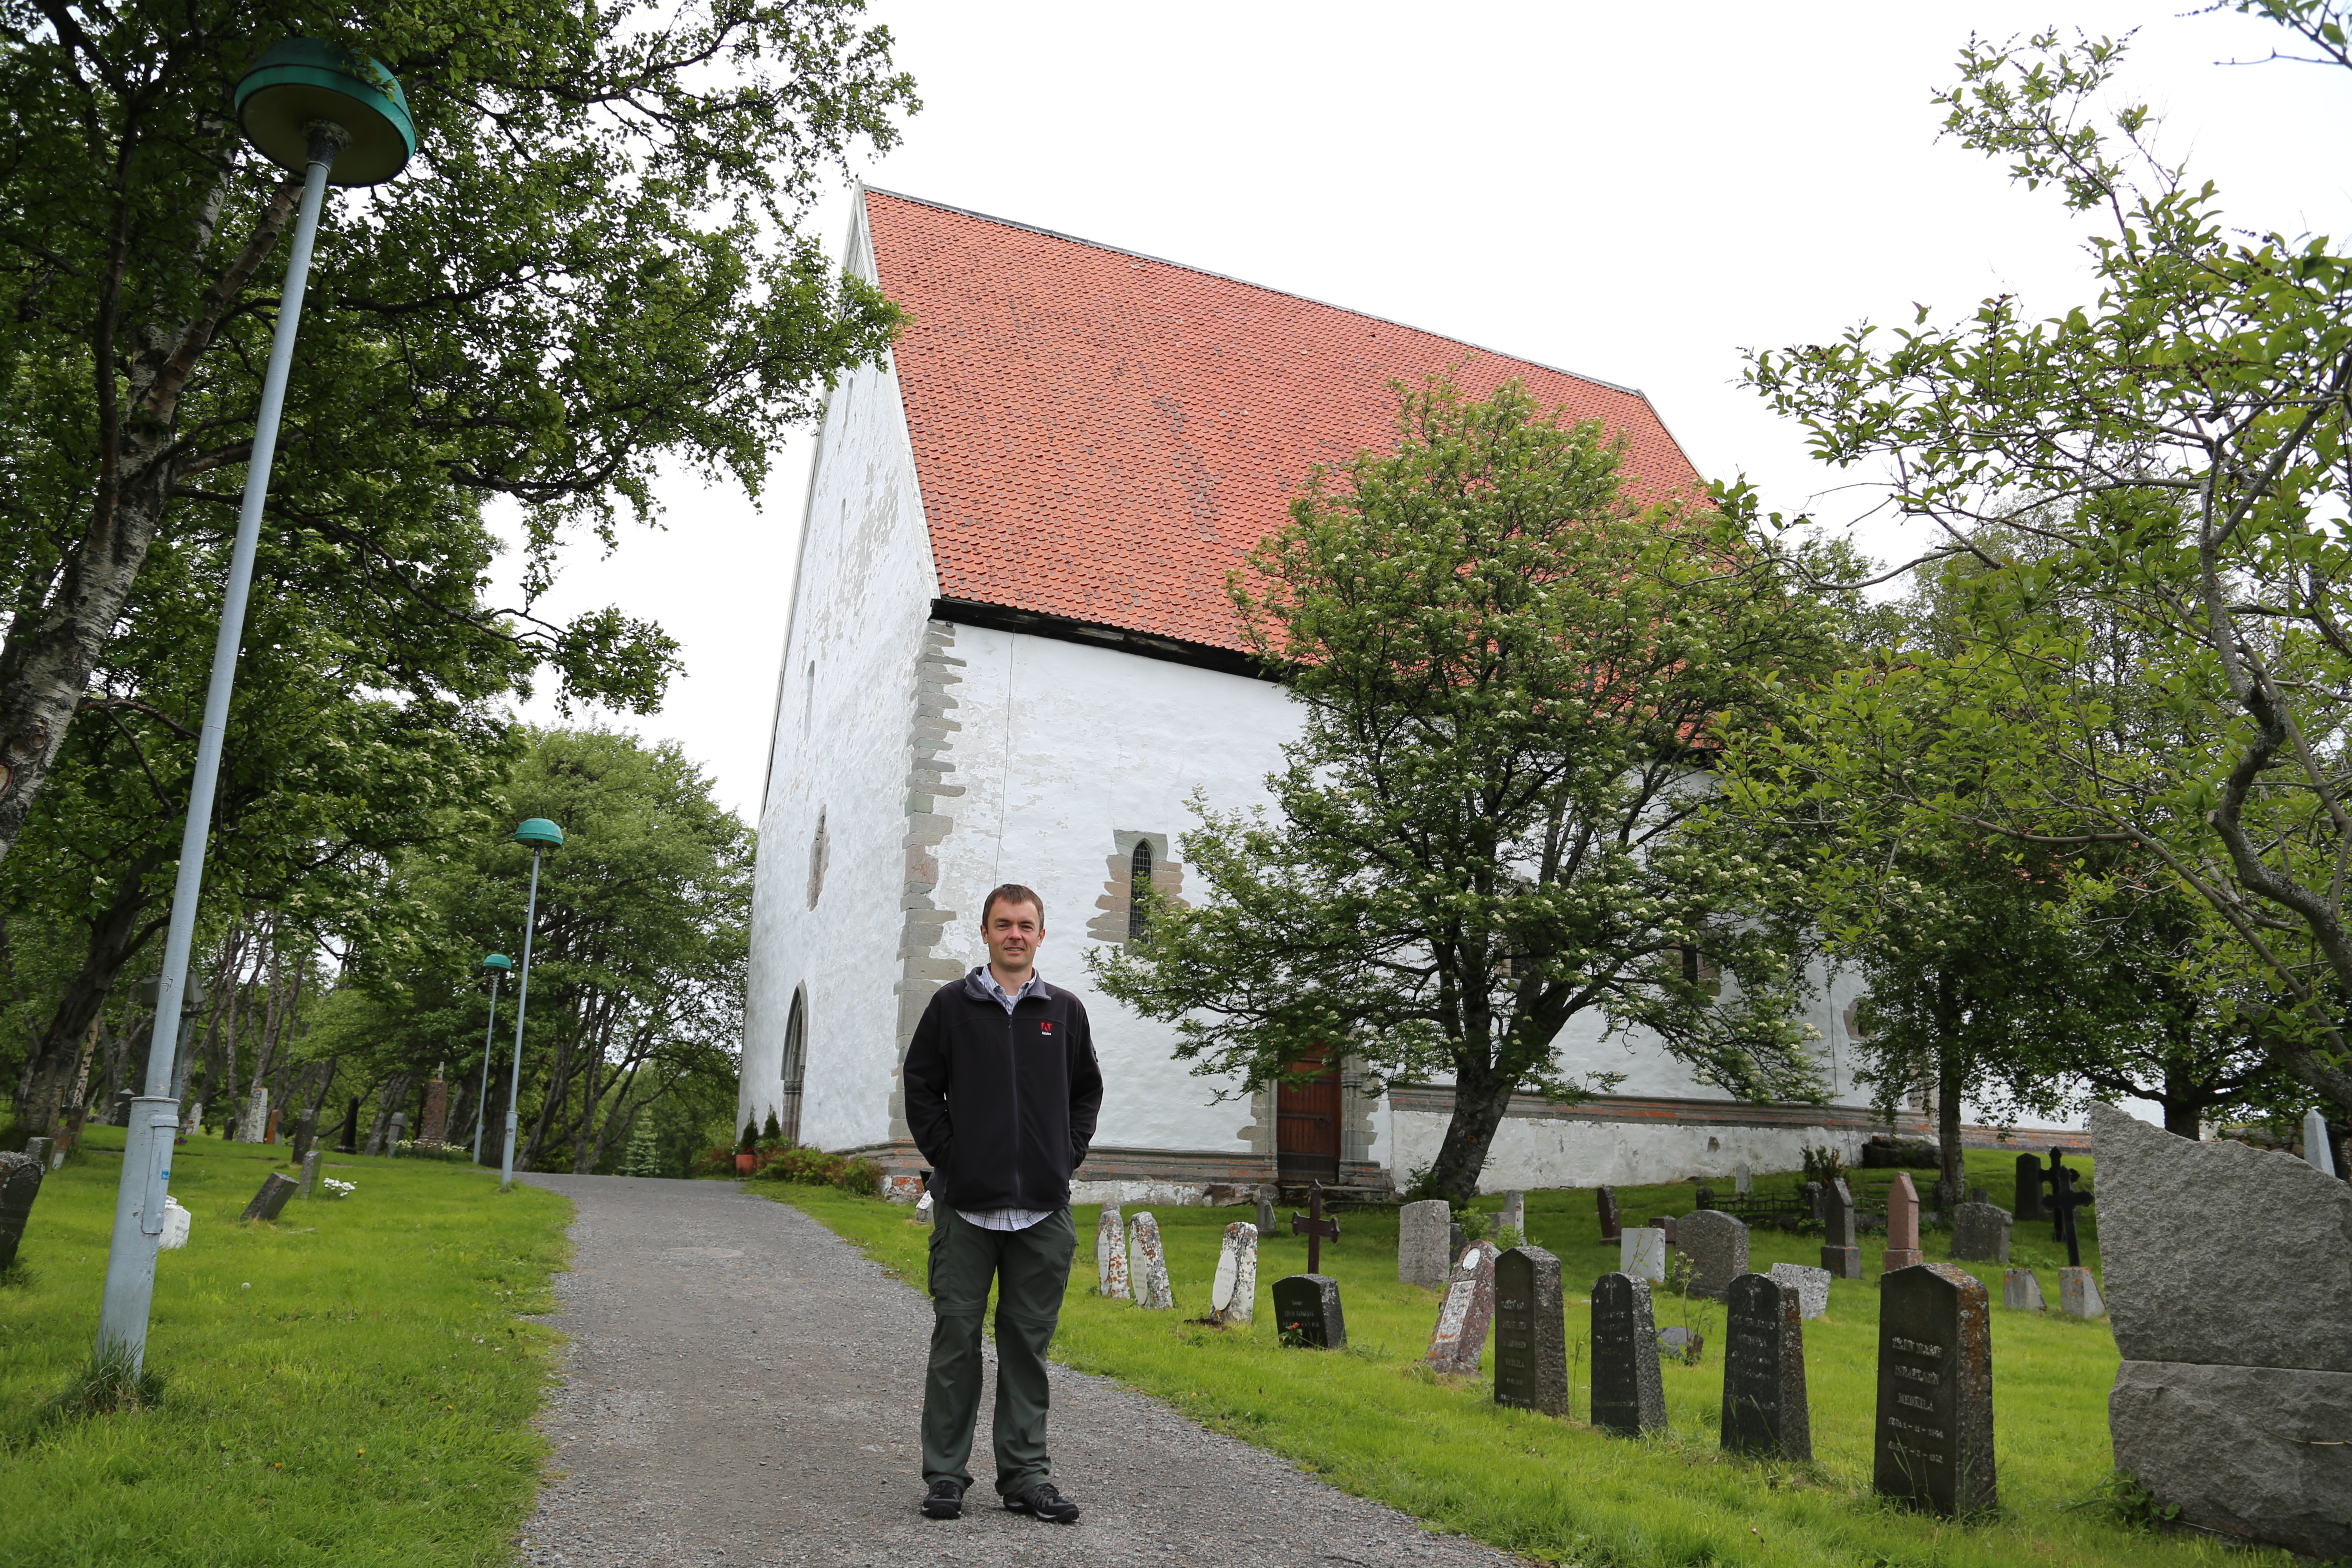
x,y
2078,1294
1605,1198
1664,1224
306,1133
1460,1337
1980,1232
1840,1255
1717,1245
1423,1231
310,1163
20,1183
1628,1395
1934,1431
1902,1225
2021,1290
1530,1332
1743,1179
1764,1408
1515,1214
276,1188
2027,1202
1811,1285
1307,1311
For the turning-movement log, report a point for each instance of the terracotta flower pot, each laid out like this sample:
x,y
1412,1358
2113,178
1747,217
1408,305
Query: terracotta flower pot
x,y
743,1164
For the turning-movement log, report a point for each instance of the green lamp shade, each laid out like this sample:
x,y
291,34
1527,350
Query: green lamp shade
x,y
539,832
303,79
500,962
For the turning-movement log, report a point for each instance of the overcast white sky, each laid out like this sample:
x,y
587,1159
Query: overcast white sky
x,y
1635,192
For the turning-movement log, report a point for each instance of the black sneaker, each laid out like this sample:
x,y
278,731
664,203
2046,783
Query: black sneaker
x,y
1043,1501
944,1500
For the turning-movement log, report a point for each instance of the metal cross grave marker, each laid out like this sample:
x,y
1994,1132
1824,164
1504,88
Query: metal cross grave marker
x,y
1314,1228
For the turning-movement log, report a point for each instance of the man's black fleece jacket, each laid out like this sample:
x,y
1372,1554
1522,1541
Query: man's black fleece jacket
x,y
1003,1105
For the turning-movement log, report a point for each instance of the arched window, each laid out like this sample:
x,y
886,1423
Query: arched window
x,y
788,1117
1138,877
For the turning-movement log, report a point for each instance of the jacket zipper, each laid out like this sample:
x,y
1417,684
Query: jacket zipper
x,y
1013,1077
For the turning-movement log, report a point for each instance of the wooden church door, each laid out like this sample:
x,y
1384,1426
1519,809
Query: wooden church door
x,y
1306,1124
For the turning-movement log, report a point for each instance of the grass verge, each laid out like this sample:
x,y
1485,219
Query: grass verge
x,y
351,1386
1372,1421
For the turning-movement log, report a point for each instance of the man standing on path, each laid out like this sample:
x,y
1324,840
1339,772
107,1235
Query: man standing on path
x,y
1002,1093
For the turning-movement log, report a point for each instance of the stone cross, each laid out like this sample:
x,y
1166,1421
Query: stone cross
x,y
1606,1197
20,1183
1764,1409
1811,1285
1629,1397
1460,1337
310,1173
1110,1255
2062,1203
1307,1313
1743,1179
1314,1228
1902,1225
1840,1254
276,1188
2315,1141
1232,1294
1515,1213
2028,1203
1717,1245
1980,1232
1641,1252
1933,1437
1530,1332
2022,1291
1147,1264
1423,1230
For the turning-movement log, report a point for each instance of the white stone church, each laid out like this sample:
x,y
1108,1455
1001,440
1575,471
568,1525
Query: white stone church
x,y
1010,658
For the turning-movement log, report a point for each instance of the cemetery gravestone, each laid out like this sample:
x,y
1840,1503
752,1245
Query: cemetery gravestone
x,y
1813,1202
20,1183
256,1115
194,1122
119,1113
1664,1226
399,1132
310,1173
271,1135
1840,1254
1811,1285
2021,1290
2315,1152
1266,1216
1530,1332
37,1150
1641,1252
1147,1264
1902,1225
1629,1397
435,1125
1682,1345
923,1215
1764,1408
1423,1231
1455,1239
1460,1337
1934,1432
2078,1294
1110,1255
2028,1204
1743,1179
350,1141
1606,1197
306,1133
1515,1214
2235,1393
1706,1198
1980,1232
1717,1245
1307,1313
1232,1294
276,1188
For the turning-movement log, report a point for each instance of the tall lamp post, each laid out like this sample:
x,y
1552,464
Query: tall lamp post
x,y
336,118
495,967
541,835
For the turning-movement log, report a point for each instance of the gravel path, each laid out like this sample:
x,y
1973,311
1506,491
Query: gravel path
x,y
742,1387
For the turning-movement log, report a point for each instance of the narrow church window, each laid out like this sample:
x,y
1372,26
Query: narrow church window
x,y
818,850
795,1059
808,698
1138,877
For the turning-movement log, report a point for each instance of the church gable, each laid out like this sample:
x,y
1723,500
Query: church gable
x,y
1101,436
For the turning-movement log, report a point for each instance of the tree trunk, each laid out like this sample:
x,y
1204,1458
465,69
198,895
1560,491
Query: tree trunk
x,y
1481,1097
1951,1082
115,937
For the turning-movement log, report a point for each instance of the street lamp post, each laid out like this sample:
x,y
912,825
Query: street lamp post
x,y
496,964
335,119
541,835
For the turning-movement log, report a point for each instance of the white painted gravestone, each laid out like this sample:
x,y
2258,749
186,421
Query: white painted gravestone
x,y
1232,1295
1641,1252
1716,1246
2315,1142
1811,1285
256,1115
1515,1214
176,1221
923,1211
1423,1232
1463,1316
1147,1264
2234,1399
1110,1255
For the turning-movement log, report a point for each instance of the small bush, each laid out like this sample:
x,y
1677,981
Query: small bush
x,y
815,1168
714,1162
1823,1166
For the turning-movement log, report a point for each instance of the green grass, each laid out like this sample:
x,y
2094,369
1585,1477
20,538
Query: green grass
x,y
348,1386
1372,1421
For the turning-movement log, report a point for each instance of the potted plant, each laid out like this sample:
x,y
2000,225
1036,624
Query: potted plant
x,y
745,1155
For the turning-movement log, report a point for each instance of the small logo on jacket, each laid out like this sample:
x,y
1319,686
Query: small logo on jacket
x,y
1045,1026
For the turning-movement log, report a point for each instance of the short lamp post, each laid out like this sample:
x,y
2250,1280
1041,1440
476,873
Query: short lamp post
x,y
335,119
541,835
496,966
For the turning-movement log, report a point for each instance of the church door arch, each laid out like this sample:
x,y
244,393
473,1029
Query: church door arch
x,y
1306,1122
788,1113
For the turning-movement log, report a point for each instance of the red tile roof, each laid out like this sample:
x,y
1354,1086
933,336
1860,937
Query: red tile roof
x,y
1101,436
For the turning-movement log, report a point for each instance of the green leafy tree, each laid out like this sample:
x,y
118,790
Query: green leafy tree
x,y
2178,448
1509,673
592,263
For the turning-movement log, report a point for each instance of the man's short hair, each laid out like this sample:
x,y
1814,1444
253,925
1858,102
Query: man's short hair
x,y
1012,893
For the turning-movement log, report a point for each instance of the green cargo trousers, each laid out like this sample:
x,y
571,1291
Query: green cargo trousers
x,y
1031,1269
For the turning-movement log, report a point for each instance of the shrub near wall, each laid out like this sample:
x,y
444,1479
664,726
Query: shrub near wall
x,y
815,1168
